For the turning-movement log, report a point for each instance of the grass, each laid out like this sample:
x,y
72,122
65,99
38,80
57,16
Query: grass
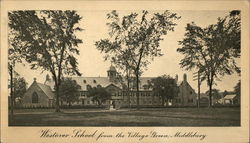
x,y
143,117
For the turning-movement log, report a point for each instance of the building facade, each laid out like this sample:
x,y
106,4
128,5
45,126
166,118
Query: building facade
x,y
38,95
120,97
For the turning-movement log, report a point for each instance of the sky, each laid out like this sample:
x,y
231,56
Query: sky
x,y
92,64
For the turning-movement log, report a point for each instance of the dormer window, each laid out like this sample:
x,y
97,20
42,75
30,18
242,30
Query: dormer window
x,y
84,81
88,87
94,81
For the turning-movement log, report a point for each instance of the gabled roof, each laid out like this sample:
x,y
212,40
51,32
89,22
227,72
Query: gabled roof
x,y
103,81
46,89
187,85
94,81
112,85
231,96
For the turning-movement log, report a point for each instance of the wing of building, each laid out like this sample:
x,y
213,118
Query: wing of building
x,y
230,99
112,84
38,95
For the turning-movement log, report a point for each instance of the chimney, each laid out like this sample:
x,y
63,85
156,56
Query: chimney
x,y
34,79
185,77
176,78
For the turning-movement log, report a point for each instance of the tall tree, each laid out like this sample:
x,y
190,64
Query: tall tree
x,y
164,86
125,72
212,50
14,57
135,39
69,91
48,40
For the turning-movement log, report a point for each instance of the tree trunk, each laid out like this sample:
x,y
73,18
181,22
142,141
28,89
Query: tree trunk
x,y
210,94
210,89
57,99
137,90
11,92
128,95
59,79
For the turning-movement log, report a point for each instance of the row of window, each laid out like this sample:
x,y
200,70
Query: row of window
x,y
179,100
94,81
119,102
145,87
132,94
35,100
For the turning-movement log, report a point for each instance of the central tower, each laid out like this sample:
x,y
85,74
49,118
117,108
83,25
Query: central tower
x,y
111,73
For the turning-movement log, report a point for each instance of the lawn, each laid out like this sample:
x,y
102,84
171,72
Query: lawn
x,y
125,117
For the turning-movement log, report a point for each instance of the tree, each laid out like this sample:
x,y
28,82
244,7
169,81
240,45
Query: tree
x,y
215,94
20,87
164,86
48,41
69,91
237,88
134,40
14,57
99,94
212,50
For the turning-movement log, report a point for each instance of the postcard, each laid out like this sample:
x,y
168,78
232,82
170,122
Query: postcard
x,y
124,71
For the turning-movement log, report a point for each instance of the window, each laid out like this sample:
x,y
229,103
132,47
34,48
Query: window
x,y
94,81
34,98
191,92
84,81
88,102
